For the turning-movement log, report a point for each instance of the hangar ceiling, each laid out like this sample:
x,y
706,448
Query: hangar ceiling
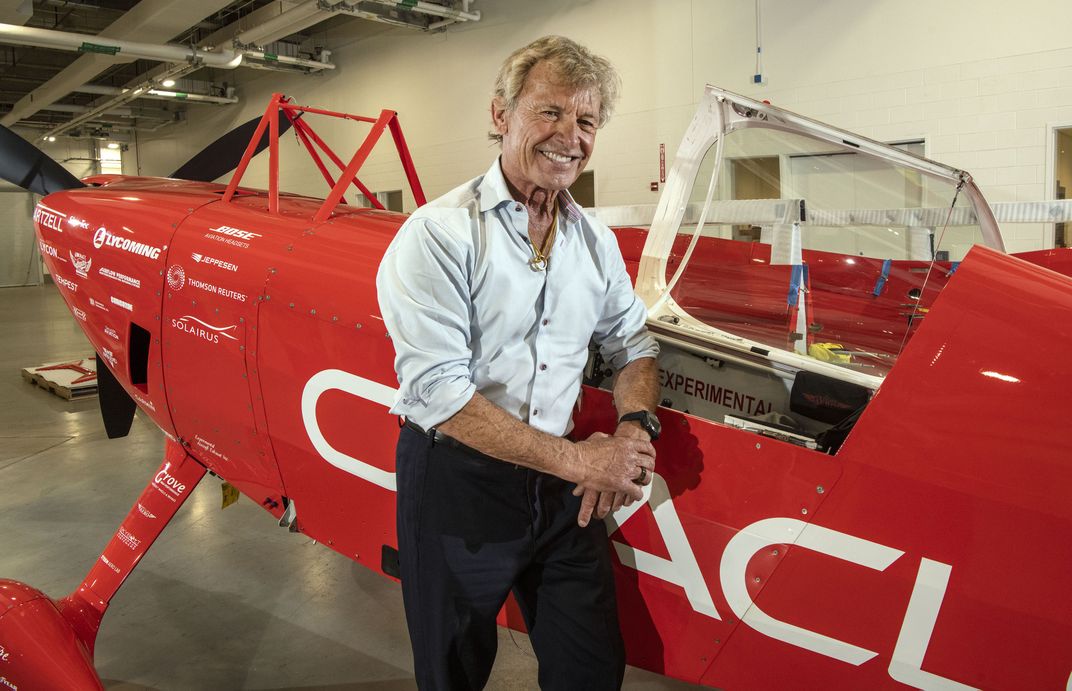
x,y
105,68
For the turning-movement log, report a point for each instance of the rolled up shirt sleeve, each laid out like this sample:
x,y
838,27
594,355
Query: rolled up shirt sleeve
x,y
424,296
621,332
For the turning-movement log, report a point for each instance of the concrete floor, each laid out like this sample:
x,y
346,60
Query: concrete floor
x,y
225,599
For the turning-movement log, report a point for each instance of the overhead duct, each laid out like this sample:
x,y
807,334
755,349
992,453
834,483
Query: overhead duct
x,y
158,94
82,43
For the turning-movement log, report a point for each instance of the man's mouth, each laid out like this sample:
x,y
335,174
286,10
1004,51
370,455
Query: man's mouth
x,y
557,158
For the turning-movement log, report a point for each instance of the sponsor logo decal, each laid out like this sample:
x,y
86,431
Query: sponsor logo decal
x,y
127,538
176,277
5,682
99,305
78,222
104,237
195,327
235,232
122,303
49,250
122,278
81,262
109,331
109,564
212,261
209,447
109,356
4,654
68,284
80,313
217,290
145,512
145,402
167,484
49,218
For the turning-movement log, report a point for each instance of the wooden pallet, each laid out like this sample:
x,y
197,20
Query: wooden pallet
x,y
70,379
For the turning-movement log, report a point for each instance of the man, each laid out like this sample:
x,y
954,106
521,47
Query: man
x,y
491,295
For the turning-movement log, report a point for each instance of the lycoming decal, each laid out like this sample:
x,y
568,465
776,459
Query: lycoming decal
x,y
82,263
49,218
68,284
212,261
122,303
195,327
121,278
104,237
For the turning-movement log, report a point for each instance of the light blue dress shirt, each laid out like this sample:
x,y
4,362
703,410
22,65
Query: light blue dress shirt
x,y
467,313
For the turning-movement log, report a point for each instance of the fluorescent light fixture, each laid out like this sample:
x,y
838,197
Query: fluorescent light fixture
x,y
113,145
138,90
168,83
52,139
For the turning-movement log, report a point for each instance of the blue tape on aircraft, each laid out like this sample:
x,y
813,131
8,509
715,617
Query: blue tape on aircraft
x,y
794,285
953,268
880,284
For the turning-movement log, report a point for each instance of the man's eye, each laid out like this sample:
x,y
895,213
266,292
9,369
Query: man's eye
x,y
550,113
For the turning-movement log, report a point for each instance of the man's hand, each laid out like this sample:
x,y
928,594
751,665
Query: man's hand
x,y
615,469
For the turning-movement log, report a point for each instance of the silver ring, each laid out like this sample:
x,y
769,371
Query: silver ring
x,y
643,475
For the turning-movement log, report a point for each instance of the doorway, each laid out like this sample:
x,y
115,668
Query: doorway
x,y
1062,236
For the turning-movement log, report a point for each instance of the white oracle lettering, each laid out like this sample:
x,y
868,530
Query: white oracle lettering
x,y
681,568
773,531
235,232
103,237
122,303
906,665
334,379
80,313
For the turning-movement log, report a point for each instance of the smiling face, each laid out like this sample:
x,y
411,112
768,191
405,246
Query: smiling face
x,y
548,138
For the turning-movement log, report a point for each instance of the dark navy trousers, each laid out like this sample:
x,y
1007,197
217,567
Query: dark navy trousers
x,y
470,529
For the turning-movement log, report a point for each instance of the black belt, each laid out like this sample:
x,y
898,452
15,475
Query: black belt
x,y
440,438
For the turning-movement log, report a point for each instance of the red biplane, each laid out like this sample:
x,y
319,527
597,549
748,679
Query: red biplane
x,y
861,480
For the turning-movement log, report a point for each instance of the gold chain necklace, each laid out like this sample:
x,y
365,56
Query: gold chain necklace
x,y
541,255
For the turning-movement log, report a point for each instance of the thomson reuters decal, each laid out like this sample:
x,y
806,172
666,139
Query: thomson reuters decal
x,y
203,330
105,238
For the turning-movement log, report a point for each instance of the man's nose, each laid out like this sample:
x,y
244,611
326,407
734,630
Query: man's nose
x,y
569,130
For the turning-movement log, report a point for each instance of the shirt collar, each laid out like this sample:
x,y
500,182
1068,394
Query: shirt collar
x,y
494,192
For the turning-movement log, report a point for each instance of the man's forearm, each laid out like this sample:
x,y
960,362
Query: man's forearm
x,y
637,386
489,429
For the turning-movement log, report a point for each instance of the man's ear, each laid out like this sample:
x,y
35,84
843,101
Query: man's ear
x,y
498,115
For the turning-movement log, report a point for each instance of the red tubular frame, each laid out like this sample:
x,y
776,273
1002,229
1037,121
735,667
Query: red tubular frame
x,y
310,140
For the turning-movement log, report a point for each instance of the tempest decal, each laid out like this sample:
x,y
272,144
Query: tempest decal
x,y
68,284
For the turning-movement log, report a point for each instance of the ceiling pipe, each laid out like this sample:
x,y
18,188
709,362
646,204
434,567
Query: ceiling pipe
x,y
84,43
426,8
270,58
158,94
286,23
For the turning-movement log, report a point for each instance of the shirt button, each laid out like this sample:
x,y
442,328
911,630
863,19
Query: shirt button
x,y
517,207
545,322
535,413
543,366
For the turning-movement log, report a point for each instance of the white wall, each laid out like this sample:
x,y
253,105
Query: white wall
x,y
980,81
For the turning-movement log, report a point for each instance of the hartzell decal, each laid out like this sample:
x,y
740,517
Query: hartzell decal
x,y
68,284
212,261
208,332
49,218
105,238
82,263
121,278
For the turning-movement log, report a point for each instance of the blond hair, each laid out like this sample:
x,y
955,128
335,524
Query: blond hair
x,y
572,64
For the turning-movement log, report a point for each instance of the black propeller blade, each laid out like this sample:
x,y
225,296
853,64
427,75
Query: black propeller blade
x,y
223,155
116,405
25,165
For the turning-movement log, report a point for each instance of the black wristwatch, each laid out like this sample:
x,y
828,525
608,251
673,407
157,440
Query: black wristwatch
x,y
647,420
